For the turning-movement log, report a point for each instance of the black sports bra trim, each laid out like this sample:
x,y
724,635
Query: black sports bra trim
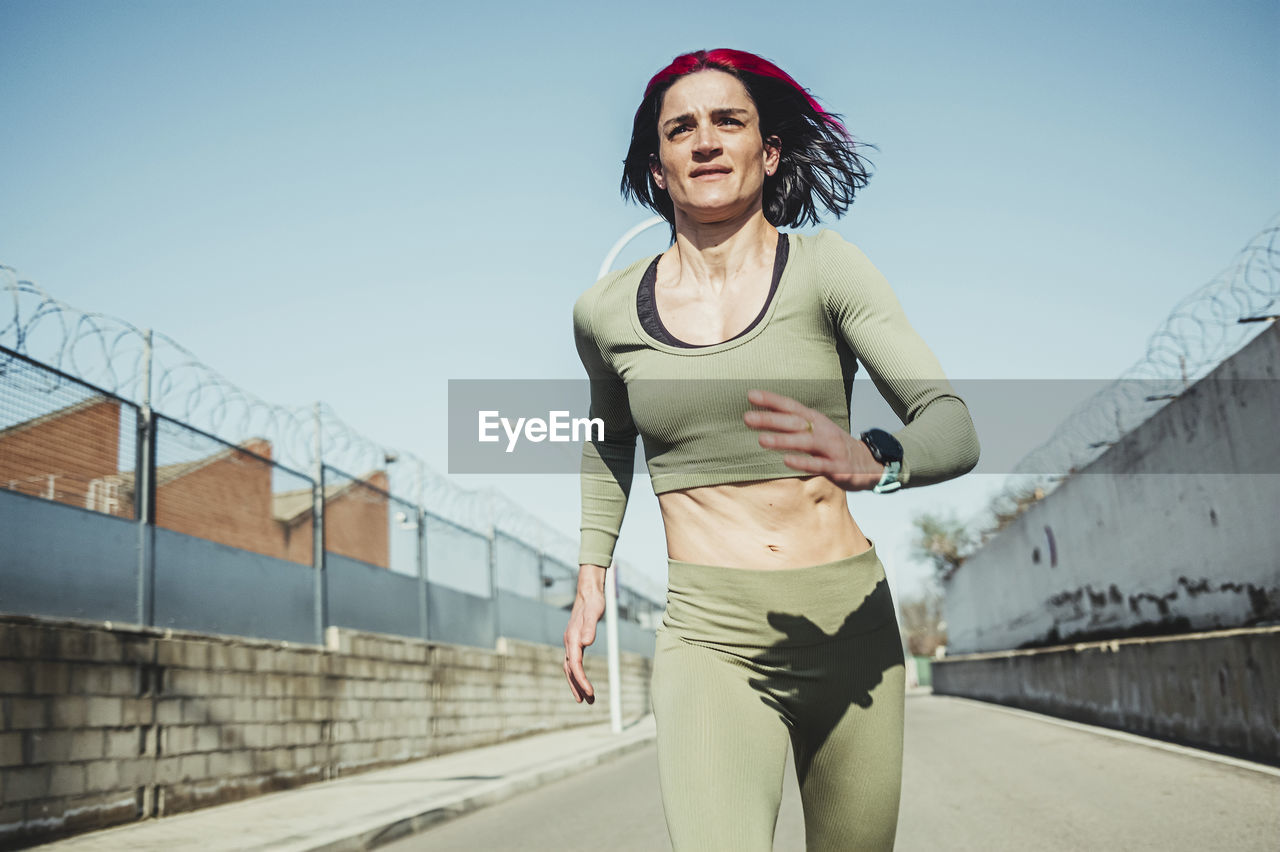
x,y
646,302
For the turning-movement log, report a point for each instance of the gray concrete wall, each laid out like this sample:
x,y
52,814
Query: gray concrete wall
x,y
1172,529
103,724
1219,690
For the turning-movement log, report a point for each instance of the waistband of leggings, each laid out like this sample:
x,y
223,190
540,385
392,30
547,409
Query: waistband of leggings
x,y
788,607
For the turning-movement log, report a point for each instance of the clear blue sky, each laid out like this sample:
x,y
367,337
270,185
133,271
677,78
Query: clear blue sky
x,y
357,202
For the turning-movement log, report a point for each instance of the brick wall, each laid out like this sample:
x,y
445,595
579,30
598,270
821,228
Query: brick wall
x,y
71,456
101,725
356,521
225,498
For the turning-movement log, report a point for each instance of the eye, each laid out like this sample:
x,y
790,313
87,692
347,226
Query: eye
x,y
730,120
675,131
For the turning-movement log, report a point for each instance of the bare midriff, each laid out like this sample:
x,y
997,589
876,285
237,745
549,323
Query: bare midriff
x,y
769,524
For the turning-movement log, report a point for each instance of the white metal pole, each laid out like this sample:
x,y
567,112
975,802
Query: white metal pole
x,y
615,667
626,238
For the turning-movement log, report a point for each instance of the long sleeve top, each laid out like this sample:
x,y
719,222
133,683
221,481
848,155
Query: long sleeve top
x,y
828,311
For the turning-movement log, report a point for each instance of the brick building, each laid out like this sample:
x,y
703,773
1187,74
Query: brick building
x,y
72,456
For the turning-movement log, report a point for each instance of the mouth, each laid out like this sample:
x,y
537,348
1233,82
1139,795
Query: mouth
x,y
709,171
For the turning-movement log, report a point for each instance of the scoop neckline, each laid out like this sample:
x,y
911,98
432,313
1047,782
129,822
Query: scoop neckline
x,y
792,244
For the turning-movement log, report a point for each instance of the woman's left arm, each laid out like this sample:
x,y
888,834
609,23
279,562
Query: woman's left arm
x,y
938,439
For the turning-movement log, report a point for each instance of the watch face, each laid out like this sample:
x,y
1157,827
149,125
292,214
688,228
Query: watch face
x,y
884,447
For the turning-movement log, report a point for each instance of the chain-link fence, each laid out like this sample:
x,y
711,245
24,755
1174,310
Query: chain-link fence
x,y
69,538
64,440
111,511
156,373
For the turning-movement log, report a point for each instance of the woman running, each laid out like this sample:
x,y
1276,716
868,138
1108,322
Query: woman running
x,y
732,354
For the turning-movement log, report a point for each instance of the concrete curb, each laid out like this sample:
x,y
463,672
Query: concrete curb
x,y
375,831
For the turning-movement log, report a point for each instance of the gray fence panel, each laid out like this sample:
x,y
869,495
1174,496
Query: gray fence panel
x,y
517,567
203,585
636,639
402,538
457,558
554,621
522,618
63,561
459,618
530,621
560,583
366,597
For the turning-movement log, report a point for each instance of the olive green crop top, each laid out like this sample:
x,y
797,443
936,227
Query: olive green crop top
x,y
830,310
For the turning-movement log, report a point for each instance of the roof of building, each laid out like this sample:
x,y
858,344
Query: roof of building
x,y
49,417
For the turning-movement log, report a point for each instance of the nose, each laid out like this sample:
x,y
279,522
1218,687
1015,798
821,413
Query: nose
x,y
706,140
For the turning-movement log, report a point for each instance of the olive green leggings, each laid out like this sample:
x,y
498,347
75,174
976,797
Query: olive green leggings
x,y
747,660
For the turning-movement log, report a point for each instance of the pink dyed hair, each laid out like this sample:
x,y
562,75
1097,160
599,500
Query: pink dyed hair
x,y
820,163
734,61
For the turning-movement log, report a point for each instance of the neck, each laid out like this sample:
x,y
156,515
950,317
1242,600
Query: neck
x,y
711,253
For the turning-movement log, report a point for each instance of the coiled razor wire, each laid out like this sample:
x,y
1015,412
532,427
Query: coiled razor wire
x,y
150,368
1201,331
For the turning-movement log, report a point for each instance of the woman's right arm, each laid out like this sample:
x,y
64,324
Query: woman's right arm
x,y
606,474
588,608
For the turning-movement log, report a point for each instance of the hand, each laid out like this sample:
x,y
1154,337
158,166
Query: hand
x,y
827,450
588,608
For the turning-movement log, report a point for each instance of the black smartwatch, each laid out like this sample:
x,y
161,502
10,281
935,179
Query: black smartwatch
x,y
886,450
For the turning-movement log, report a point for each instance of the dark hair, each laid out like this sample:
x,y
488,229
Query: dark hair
x,y
820,160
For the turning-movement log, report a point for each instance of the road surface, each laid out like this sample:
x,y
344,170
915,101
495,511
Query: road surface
x,y
975,777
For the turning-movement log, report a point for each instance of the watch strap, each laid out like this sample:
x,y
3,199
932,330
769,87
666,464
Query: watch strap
x,y
889,479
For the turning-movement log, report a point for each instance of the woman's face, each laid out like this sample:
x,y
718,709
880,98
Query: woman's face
x,y
711,159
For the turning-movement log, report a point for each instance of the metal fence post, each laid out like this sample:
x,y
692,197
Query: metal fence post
x,y
542,580
493,583
145,495
611,628
545,634
145,511
423,626
317,514
423,587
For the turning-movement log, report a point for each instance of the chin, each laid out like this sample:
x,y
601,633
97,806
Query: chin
x,y
711,214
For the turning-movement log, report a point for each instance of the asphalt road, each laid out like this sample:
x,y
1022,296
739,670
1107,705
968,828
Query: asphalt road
x,y
975,777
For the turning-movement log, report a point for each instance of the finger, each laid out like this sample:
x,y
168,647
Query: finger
x,y
568,672
776,401
810,464
573,687
585,688
779,422
834,470
803,441
579,675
